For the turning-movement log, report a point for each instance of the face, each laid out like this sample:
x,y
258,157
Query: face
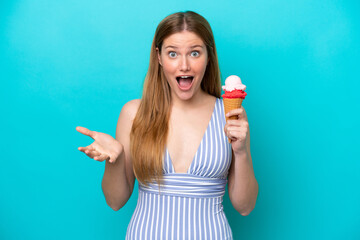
x,y
183,59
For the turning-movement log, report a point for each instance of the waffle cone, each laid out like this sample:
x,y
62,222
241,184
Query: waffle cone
x,y
230,104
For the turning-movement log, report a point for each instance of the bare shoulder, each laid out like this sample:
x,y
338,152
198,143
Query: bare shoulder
x,y
130,108
127,115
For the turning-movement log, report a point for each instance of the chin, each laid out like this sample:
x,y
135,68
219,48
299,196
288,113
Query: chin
x,y
185,96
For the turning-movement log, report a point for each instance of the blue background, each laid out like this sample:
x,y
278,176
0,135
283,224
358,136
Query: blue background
x,y
76,63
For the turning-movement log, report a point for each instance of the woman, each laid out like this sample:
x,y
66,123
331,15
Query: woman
x,y
174,141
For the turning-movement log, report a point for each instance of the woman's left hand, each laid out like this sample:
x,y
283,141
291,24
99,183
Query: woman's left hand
x,y
237,130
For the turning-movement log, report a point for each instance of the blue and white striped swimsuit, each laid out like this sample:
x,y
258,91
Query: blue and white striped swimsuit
x,y
189,205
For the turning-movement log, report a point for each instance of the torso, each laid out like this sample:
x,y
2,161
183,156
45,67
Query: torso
x,y
186,129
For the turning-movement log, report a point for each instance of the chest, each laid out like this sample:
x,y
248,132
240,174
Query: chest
x,y
186,132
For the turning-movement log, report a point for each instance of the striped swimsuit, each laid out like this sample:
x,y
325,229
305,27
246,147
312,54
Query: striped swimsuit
x,y
189,205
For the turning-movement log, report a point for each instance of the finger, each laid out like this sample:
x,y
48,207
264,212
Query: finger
x,y
241,129
231,137
102,157
86,131
238,111
237,135
87,148
239,122
226,127
92,153
238,129
83,148
229,128
244,124
112,159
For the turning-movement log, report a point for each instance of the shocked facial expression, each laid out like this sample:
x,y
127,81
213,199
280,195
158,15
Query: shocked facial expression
x,y
183,59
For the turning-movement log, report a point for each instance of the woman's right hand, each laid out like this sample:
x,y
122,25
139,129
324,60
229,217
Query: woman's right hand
x,y
105,147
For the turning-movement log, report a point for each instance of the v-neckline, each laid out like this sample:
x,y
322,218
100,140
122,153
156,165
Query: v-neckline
x,y
197,150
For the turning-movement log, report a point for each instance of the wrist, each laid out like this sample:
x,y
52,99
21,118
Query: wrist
x,y
118,150
241,153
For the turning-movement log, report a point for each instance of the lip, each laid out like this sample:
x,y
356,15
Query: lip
x,y
185,75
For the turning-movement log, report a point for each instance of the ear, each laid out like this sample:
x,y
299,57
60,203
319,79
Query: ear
x,y
158,55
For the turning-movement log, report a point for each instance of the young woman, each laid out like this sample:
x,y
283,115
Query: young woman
x,y
174,141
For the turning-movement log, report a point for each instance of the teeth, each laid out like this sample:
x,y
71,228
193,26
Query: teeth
x,y
183,77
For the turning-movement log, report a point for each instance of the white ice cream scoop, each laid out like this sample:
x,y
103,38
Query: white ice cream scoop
x,y
233,82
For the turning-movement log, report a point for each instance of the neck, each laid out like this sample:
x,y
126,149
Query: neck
x,y
197,100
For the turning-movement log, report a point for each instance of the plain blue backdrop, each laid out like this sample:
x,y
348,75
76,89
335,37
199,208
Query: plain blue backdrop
x,y
76,63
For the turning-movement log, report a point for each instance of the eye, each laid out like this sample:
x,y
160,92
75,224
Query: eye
x,y
195,53
172,54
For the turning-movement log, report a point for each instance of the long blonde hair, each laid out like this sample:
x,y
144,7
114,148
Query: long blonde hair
x,y
149,131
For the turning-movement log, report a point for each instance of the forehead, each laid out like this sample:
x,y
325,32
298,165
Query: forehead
x,y
183,39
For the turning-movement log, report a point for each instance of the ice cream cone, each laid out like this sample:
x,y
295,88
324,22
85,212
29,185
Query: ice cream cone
x,y
233,96
230,104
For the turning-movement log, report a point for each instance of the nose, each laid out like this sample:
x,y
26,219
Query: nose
x,y
184,64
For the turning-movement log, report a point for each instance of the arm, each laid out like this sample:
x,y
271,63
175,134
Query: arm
x,y
242,185
118,180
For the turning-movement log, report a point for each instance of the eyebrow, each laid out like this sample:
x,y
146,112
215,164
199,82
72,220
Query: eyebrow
x,y
194,46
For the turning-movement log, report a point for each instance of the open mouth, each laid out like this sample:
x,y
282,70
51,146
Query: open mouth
x,y
185,82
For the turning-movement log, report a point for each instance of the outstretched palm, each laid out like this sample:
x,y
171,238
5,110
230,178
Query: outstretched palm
x,y
105,147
